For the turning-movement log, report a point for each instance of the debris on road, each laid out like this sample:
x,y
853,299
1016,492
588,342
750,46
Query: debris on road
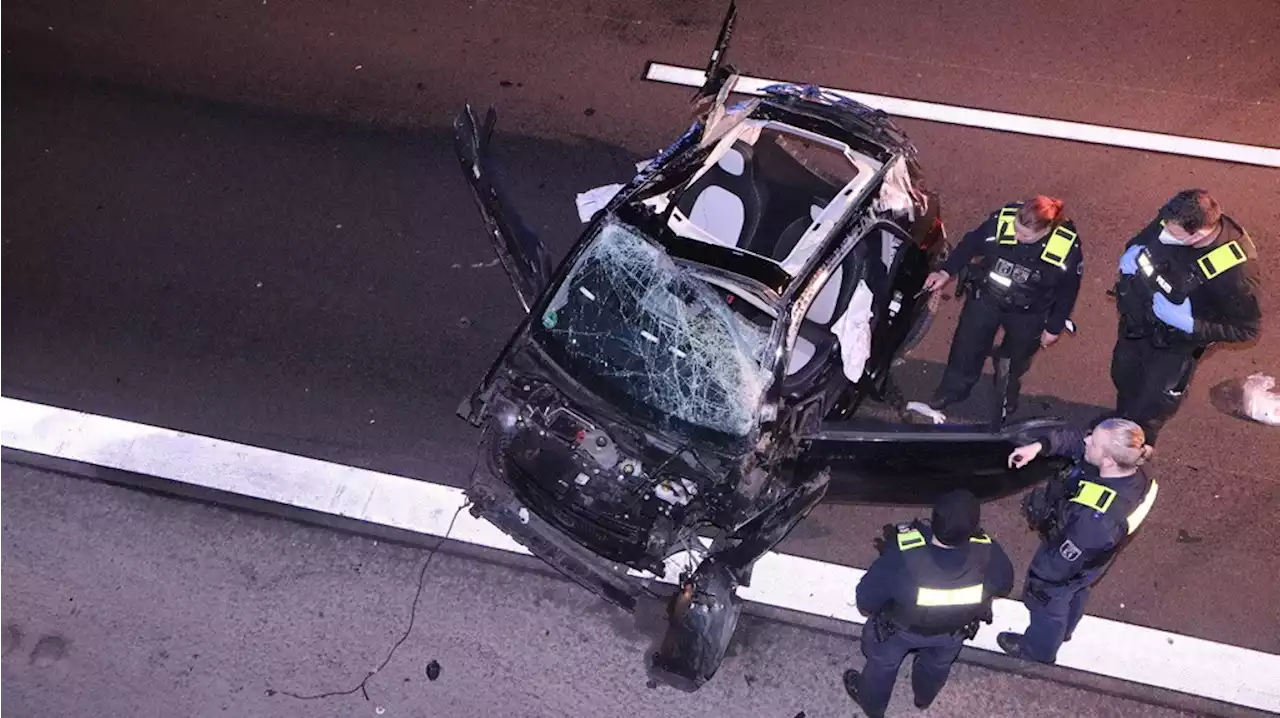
x,y
1185,537
1260,402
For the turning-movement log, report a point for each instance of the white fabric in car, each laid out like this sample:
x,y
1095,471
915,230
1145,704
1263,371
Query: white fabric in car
x,y
853,329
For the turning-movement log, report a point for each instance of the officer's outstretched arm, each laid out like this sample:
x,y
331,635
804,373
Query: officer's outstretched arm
x,y
1067,441
971,245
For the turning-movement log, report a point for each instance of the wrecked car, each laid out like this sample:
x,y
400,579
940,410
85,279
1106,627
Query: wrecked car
x,y
689,378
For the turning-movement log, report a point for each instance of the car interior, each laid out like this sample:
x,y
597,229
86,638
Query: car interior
x,y
765,194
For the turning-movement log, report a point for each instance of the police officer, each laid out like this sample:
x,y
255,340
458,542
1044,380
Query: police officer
x,y
1085,517
1027,282
1188,280
925,595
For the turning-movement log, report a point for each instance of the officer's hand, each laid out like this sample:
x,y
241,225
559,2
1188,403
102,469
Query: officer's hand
x,y
1047,339
1129,260
1023,455
1177,316
936,280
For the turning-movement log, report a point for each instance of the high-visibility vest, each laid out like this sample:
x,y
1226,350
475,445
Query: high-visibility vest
x,y
1007,278
1175,285
941,603
1099,498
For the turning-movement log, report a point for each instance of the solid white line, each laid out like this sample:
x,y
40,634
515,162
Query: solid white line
x,y
1008,122
1110,648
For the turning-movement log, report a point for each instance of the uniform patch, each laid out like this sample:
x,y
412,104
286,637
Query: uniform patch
x,y
1069,550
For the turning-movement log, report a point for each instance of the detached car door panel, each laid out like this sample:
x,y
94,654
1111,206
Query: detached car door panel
x,y
883,463
522,254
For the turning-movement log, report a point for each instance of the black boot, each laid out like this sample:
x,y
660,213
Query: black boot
x,y
851,678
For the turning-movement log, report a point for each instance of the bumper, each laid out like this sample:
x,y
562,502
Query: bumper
x,y
496,501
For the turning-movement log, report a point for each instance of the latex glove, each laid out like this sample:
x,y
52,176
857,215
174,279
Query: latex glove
x,y
1175,315
1129,260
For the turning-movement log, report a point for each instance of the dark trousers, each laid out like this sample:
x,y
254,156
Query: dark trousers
x,y
1055,611
974,336
1150,381
930,667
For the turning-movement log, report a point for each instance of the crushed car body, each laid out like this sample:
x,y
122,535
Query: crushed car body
x,y
685,386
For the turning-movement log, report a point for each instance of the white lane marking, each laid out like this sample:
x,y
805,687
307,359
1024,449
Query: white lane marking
x,y
1008,122
1125,651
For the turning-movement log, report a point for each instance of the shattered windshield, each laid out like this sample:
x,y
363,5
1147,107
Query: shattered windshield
x,y
628,317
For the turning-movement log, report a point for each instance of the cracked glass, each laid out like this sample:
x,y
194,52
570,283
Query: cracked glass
x,y
628,317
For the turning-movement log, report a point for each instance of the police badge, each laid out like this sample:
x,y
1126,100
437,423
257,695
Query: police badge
x,y
1069,550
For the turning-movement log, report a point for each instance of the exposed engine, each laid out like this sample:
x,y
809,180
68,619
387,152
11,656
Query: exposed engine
x,y
607,485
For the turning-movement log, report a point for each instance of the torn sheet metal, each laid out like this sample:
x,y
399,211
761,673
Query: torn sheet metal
x,y
897,197
594,200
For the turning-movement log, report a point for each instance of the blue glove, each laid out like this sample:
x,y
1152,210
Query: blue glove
x,y
1175,315
1129,260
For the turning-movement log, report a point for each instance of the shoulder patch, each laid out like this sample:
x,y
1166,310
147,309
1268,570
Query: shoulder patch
x,y
1069,550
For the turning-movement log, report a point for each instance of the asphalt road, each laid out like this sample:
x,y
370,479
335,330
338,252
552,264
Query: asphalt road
x,y
264,236
122,603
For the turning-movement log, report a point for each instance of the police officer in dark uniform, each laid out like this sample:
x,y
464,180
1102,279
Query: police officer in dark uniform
x,y
925,594
1084,517
1188,280
1026,282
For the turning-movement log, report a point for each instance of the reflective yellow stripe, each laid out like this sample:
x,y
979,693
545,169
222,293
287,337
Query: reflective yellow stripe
x,y
1000,279
980,539
1004,225
1095,496
1135,519
1221,259
949,596
1059,245
910,539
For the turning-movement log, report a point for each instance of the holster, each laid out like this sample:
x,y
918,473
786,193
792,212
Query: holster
x,y
883,627
1133,306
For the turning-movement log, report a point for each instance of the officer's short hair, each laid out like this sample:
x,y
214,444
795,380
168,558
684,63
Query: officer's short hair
x,y
1128,442
1192,209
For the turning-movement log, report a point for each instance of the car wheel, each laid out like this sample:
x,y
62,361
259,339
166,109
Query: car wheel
x,y
922,323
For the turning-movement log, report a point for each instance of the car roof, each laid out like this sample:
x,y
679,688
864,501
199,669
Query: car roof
x,y
861,126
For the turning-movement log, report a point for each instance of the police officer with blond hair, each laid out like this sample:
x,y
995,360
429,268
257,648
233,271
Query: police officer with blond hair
x,y
1026,281
925,595
1085,517
1187,281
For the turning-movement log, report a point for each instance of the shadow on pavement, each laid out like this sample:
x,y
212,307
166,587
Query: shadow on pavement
x,y
271,279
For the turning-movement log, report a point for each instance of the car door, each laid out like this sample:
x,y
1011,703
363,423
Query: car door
x,y
521,252
873,462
